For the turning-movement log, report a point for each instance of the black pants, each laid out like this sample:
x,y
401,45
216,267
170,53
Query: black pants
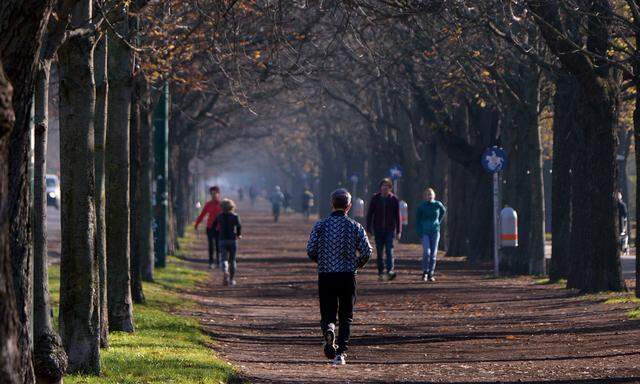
x,y
212,239
229,248
337,293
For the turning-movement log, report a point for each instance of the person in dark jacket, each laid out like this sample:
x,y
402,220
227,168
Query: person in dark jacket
x,y
340,246
230,230
383,220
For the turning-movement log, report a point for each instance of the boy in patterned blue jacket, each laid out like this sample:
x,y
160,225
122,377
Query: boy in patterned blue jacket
x,y
340,247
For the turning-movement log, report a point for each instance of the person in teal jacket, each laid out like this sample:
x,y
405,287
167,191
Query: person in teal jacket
x,y
428,218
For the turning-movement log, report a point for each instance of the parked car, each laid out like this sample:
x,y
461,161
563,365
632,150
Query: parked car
x,y
53,191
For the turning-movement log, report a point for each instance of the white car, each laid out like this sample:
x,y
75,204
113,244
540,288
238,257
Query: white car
x,y
53,191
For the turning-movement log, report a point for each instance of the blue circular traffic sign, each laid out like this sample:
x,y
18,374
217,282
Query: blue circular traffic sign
x,y
494,159
395,172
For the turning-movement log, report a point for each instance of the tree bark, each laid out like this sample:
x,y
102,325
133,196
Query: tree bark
x,y
134,196
49,357
145,181
636,136
79,290
564,117
102,91
120,70
23,23
10,362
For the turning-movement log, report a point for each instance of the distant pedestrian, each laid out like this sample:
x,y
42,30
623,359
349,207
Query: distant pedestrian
x,y
383,220
286,203
277,199
253,195
230,231
240,194
211,210
307,203
334,244
623,220
429,216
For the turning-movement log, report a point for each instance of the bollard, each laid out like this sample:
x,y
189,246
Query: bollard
x,y
404,213
358,208
508,227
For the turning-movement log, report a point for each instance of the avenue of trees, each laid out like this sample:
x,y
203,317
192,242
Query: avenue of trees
x,y
321,90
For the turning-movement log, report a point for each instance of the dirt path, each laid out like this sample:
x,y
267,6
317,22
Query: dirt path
x,y
464,328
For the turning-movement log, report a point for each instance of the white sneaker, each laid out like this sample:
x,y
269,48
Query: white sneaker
x,y
330,341
232,282
340,359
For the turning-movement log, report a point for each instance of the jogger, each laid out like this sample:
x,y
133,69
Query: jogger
x,y
230,230
334,244
211,209
429,216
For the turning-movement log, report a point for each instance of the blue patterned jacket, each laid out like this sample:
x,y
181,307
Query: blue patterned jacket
x,y
334,241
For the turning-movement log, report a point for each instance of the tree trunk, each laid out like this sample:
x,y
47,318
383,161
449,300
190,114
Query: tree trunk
x,y
79,298
594,230
145,181
594,238
636,137
525,185
564,117
49,358
102,90
22,24
134,195
120,70
10,362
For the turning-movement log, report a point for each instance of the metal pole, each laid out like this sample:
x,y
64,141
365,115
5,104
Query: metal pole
x,y
395,187
353,192
496,222
161,149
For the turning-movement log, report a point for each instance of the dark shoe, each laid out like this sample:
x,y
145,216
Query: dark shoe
x,y
432,279
380,277
391,275
330,342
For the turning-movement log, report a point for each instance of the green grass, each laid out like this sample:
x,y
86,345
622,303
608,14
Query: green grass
x,y
166,348
633,314
546,281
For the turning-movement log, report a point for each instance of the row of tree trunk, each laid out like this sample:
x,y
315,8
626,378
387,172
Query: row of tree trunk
x,y
100,263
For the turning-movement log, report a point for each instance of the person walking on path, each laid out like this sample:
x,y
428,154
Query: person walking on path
x,y
211,210
383,220
429,216
230,230
307,203
277,199
240,194
253,195
339,245
623,217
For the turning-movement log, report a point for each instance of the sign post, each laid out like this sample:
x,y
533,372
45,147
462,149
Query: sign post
x,y
395,172
196,168
493,161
